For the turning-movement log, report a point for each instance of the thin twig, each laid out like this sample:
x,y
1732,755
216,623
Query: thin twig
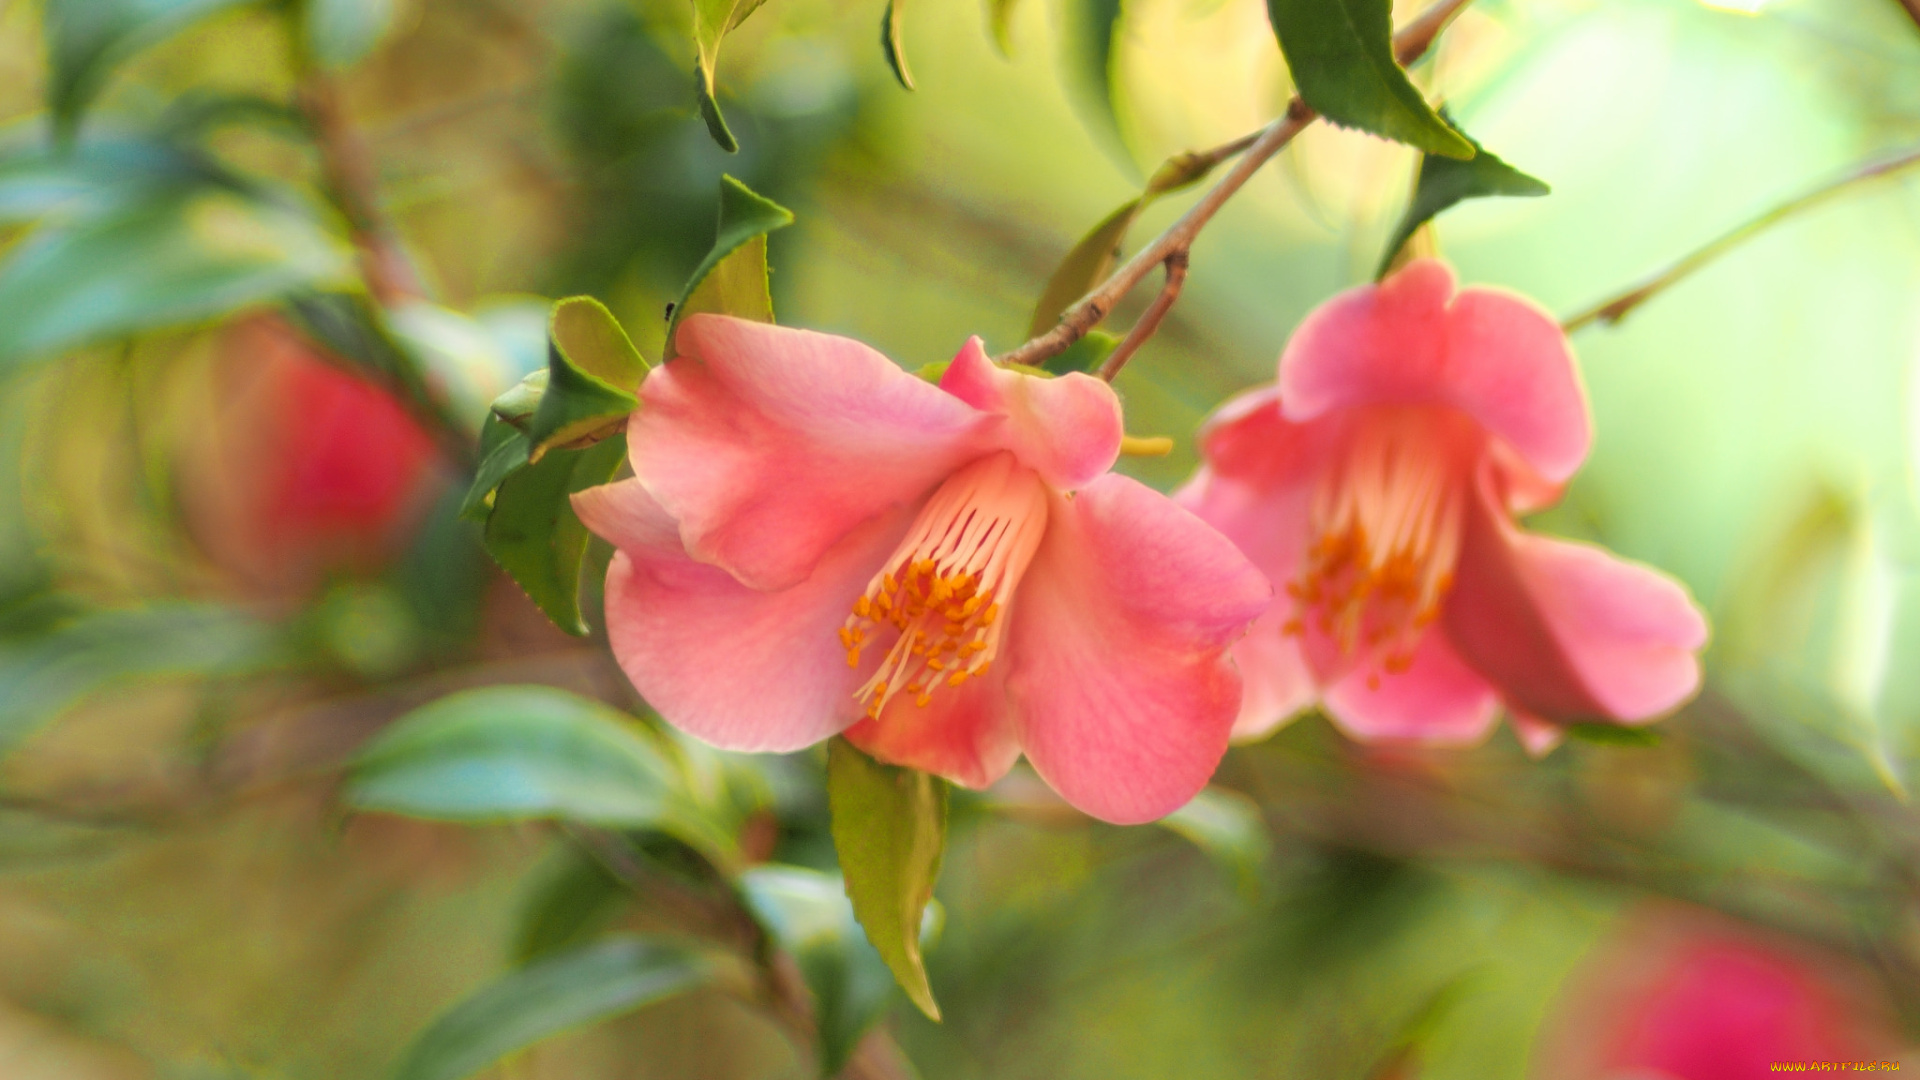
x,y
1150,320
347,170
1617,308
1409,45
1912,8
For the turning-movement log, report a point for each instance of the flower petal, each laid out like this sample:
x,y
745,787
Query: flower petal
x,y
1278,685
965,734
1411,340
1067,429
769,444
1568,631
1123,694
1438,701
1537,737
734,666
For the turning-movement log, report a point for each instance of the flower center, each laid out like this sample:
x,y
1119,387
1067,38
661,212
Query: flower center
x,y
1385,534
945,589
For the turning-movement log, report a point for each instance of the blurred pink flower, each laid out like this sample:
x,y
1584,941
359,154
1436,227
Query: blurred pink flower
x,y
1378,479
815,540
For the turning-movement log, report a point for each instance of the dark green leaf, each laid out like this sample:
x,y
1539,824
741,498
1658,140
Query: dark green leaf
x,y
521,753
1086,354
87,39
45,673
890,828
522,399
1085,266
575,903
713,20
1613,734
1227,826
593,375
808,914
178,258
91,177
1340,53
503,450
1092,63
892,43
532,531
563,992
1445,181
341,33
732,279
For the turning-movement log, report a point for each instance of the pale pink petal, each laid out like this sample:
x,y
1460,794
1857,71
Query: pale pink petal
x,y
1411,340
1568,631
1122,690
768,444
1537,737
1438,701
1067,429
736,667
963,733
1268,523
1250,441
624,515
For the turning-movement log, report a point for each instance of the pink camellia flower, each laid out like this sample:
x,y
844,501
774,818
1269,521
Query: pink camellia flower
x,y
815,541
1376,482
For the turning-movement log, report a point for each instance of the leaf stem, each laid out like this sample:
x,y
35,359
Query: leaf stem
x,y
1409,45
1149,321
1618,307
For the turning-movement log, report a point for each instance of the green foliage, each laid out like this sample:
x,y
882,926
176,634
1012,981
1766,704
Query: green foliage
x,y
1230,829
561,993
1445,181
180,255
525,753
892,42
572,905
1093,29
890,828
1086,354
533,533
809,917
341,33
713,20
594,373
1613,734
732,279
87,39
1340,53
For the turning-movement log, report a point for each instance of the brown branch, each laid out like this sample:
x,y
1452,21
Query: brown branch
x,y
1150,320
1912,8
347,170
1409,45
1619,307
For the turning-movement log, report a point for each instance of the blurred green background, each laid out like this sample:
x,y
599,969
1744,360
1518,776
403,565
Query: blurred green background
x,y
224,568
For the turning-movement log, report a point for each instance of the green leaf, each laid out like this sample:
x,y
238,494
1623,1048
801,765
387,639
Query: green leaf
x,y
1445,181
809,916
503,451
1229,828
559,994
1093,40
1086,354
593,375
1000,19
890,828
713,20
1613,734
341,33
732,279
1085,266
1340,53
532,531
525,753
43,674
91,177
177,258
892,43
575,902
87,39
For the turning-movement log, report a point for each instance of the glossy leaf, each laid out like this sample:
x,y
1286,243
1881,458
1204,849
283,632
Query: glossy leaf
x,y
1340,53
532,531
1445,181
46,673
87,39
1086,354
809,916
593,377
732,279
90,177
1085,266
341,33
1228,827
524,753
559,994
713,20
503,451
892,44
175,259
890,828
